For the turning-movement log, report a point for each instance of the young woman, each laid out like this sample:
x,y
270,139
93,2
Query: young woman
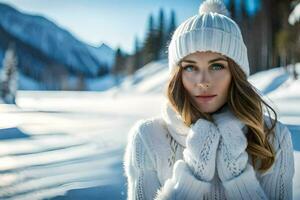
x,y
213,139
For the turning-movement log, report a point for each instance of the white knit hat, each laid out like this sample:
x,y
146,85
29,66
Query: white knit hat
x,y
211,30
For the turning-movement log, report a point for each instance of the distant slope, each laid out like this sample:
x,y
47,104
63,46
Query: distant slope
x,y
43,47
149,79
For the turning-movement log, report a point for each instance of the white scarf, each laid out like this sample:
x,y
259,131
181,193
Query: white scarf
x,y
174,123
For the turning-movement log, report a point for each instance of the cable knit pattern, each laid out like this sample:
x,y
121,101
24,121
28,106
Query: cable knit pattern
x,y
232,159
151,143
228,167
138,164
200,153
232,155
280,176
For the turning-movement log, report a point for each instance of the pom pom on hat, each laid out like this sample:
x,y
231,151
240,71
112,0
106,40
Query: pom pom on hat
x,y
213,6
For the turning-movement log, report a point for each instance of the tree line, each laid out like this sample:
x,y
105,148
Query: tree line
x,y
270,39
153,47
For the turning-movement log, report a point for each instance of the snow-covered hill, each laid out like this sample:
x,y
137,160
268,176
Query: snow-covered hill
x,y
149,79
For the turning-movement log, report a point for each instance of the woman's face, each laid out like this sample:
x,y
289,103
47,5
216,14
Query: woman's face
x,y
206,77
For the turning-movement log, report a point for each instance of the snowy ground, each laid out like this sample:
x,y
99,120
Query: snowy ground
x,y
57,142
70,145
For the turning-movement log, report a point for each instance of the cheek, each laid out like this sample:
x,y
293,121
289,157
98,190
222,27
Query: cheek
x,y
223,83
187,82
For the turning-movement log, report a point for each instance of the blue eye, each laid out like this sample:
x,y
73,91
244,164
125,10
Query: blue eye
x,y
217,67
188,68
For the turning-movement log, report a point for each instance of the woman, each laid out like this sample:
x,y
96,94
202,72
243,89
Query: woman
x,y
212,140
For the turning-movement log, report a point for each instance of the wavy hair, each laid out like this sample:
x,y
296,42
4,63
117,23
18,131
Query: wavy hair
x,y
245,103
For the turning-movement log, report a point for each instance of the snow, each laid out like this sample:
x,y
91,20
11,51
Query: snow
x,y
267,81
151,78
67,141
70,145
295,15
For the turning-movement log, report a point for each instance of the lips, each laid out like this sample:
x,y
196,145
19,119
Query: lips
x,y
205,98
207,95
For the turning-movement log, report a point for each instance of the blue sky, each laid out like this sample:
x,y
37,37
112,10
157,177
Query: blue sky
x,y
114,22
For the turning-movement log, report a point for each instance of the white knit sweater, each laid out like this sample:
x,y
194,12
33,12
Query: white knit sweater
x,y
155,169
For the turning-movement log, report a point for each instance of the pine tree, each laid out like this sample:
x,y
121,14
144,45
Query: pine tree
x,y
118,67
149,44
244,11
232,9
161,38
9,76
172,25
295,39
137,61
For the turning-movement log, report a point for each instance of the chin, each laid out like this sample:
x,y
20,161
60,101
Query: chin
x,y
209,110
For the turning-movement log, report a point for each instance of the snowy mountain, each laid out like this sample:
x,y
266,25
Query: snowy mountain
x,y
104,53
44,47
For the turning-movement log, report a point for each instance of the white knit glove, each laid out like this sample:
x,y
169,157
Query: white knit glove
x,y
232,157
201,149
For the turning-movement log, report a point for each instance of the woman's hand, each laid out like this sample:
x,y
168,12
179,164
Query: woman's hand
x,y
232,157
201,148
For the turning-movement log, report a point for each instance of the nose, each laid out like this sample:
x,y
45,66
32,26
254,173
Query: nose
x,y
202,77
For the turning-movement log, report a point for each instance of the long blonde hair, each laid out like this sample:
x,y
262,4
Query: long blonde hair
x,y
245,103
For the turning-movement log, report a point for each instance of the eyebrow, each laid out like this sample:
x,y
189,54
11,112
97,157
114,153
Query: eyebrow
x,y
211,61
